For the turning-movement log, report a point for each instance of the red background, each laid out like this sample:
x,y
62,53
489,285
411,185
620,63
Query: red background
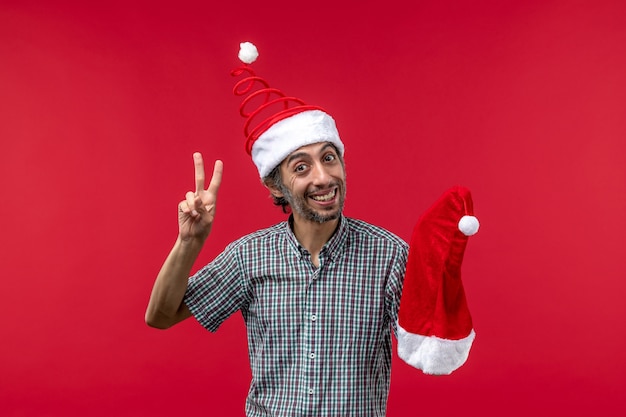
x,y
101,107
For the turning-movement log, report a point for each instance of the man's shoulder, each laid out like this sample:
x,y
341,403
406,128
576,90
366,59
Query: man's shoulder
x,y
369,231
261,235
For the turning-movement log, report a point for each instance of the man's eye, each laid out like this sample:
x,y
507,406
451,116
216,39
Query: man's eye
x,y
300,167
329,157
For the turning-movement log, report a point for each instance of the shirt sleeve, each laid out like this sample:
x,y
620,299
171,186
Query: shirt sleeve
x,y
217,290
394,286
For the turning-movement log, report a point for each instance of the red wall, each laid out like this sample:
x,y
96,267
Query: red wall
x,y
102,106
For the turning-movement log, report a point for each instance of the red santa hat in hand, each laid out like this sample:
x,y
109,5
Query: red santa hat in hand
x,y
277,124
435,331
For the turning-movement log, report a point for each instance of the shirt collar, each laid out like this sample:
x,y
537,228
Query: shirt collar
x,y
332,249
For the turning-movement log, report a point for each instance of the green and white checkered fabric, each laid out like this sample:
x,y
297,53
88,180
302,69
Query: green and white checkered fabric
x,y
319,338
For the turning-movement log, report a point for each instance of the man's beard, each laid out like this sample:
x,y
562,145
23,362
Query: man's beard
x,y
299,205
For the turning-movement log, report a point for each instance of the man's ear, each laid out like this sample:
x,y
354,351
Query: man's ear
x,y
273,188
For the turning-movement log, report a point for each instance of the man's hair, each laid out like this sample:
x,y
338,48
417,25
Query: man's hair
x,y
274,178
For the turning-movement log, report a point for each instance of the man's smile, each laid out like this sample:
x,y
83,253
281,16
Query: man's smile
x,y
330,195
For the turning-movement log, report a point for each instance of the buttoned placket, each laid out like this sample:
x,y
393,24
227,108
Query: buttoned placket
x,y
310,316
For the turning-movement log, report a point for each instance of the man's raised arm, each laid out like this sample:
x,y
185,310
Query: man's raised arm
x,y
195,218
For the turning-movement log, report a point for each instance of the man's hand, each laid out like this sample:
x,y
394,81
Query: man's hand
x,y
197,212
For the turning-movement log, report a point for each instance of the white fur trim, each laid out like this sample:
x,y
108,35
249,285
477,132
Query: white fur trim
x,y
284,137
433,355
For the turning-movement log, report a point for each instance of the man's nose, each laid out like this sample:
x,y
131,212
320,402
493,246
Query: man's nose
x,y
321,176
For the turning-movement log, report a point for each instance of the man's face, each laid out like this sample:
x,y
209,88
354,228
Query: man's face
x,y
314,182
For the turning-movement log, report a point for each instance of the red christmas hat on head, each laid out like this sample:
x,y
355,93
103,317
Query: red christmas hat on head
x,y
435,330
277,124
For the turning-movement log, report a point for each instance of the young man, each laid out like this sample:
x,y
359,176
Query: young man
x,y
319,292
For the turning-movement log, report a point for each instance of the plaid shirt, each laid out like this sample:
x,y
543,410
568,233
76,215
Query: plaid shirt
x,y
319,339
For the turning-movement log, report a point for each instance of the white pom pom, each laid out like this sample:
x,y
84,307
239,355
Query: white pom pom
x,y
469,225
248,52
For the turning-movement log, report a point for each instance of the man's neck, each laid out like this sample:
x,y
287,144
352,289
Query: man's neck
x,y
313,235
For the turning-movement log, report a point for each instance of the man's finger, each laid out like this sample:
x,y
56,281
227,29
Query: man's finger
x,y
190,200
198,164
216,179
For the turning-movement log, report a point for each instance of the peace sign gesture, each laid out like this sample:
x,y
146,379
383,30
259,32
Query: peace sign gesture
x,y
197,212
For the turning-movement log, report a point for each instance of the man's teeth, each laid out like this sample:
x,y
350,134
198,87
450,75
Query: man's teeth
x,y
325,197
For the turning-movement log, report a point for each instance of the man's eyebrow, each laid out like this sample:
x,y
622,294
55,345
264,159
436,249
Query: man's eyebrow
x,y
305,154
296,156
328,145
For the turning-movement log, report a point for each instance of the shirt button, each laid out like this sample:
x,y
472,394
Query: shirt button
x,y
311,391
312,356
313,317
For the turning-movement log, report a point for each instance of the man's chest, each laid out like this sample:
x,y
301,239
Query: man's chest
x,y
344,299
